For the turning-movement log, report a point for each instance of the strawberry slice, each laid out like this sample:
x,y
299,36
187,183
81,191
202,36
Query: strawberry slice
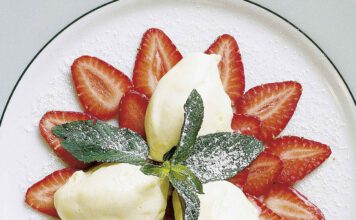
x,y
263,171
290,204
156,56
268,214
132,111
54,118
99,86
272,103
299,156
230,66
264,212
255,201
247,125
40,195
240,178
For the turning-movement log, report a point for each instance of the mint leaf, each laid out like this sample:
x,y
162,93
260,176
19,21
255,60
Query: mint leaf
x,y
183,173
167,156
187,192
193,118
90,141
220,156
154,170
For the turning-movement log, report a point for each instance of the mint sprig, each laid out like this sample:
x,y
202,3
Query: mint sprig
x,y
194,161
178,171
90,141
188,195
193,118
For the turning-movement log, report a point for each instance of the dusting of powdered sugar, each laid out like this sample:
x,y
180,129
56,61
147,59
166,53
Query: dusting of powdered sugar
x,y
219,156
270,50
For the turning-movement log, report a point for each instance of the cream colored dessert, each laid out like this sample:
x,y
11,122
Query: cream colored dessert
x,y
221,200
165,113
123,192
112,192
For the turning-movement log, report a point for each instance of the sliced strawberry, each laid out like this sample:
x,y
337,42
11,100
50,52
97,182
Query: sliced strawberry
x,y
263,171
156,56
40,195
272,103
132,111
54,118
230,66
290,204
268,214
247,125
299,156
99,86
255,201
240,178
264,212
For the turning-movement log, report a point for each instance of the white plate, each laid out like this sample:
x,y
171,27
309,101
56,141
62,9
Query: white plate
x,y
272,50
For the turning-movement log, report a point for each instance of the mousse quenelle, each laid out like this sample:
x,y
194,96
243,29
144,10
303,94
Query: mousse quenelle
x,y
165,113
221,200
112,192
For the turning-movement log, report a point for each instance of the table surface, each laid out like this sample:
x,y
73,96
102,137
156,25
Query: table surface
x,y
26,26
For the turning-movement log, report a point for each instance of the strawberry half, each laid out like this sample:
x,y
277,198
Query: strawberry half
x,y
240,178
54,118
290,204
40,195
263,171
99,86
132,111
156,56
299,156
247,125
264,212
230,66
273,104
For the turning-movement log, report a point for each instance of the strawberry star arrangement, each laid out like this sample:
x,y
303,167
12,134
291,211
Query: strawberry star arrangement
x,y
250,158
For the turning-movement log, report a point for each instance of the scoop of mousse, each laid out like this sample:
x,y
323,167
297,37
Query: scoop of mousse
x,y
165,112
221,200
112,192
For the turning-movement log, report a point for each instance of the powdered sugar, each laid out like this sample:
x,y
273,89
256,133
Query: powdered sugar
x,y
220,156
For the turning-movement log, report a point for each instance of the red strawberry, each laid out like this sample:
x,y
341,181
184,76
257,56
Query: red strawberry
x,y
272,103
40,195
254,200
132,111
230,66
263,171
156,56
53,118
99,86
247,125
299,156
264,212
268,214
290,204
240,178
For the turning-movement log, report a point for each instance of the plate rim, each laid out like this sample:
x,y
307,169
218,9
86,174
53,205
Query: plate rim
x,y
113,1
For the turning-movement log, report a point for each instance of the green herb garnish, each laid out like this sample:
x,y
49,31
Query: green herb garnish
x,y
90,141
194,161
193,118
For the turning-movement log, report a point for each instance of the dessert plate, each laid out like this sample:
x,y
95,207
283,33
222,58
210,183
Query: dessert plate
x,y
272,50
